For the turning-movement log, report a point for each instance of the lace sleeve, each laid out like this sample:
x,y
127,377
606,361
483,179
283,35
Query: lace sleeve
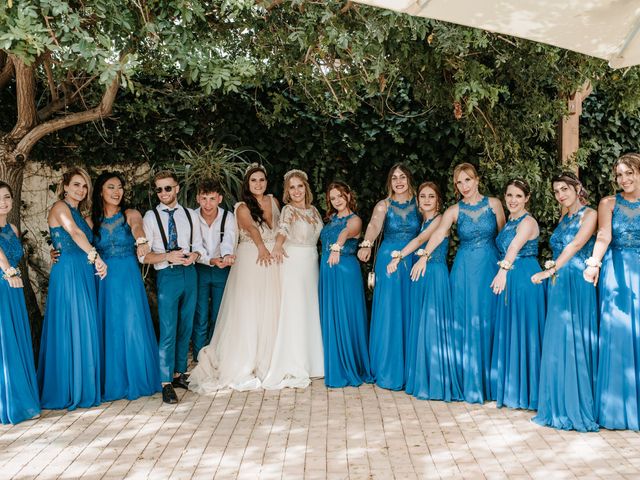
x,y
286,221
377,221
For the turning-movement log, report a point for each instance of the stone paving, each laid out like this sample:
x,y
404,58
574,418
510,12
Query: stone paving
x,y
317,433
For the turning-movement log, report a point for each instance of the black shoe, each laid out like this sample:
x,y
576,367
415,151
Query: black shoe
x,y
169,394
181,381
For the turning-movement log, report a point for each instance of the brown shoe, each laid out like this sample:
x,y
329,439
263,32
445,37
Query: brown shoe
x,y
169,394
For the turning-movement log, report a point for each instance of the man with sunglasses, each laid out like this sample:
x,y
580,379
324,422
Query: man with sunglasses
x,y
176,244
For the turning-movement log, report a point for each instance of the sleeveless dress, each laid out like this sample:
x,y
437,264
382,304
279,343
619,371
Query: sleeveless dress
x,y
570,345
430,368
343,311
297,350
617,394
69,362
390,309
474,304
517,340
18,387
130,364
240,351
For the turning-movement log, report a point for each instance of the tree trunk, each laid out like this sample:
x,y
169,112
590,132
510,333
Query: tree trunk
x,y
12,172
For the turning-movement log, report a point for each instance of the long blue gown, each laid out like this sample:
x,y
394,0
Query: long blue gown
x,y
18,387
570,345
130,364
343,312
474,304
430,368
69,362
517,340
390,309
617,394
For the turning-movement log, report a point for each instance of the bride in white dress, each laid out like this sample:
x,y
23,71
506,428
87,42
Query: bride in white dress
x,y
241,348
298,352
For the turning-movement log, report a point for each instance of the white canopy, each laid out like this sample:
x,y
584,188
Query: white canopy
x,y
607,29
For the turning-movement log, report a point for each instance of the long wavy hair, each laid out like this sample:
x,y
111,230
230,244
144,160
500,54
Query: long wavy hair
x,y
404,169
247,197
97,204
85,204
346,192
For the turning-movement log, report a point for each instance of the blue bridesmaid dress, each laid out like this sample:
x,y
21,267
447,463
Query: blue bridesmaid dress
x,y
474,304
390,309
617,397
517,340
343,312
130,364
18,387
570,345
69,362
430,368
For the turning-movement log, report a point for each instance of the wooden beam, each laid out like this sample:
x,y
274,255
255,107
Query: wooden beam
x,y
569,137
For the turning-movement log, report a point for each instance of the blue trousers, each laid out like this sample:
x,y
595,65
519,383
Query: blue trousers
x,y
176,307
211,282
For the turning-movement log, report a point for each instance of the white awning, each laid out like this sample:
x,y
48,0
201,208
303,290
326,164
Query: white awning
x,y
607,29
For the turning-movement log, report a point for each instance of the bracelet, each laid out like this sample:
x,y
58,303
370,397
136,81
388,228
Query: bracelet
x,y
366,244
92,256
592,262
396,254
335,247
141,241
423,253
10,273
505,265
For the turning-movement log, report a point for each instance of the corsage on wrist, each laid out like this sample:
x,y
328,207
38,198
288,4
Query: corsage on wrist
x,y
10,273
335,247
366,244
505,265
592,262
141,241
92,256
551,265
396,255
423,253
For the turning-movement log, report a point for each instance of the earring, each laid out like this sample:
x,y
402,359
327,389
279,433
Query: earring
x,y
65,194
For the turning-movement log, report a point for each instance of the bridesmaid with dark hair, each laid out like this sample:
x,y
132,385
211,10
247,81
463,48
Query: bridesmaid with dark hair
x,y
18,386
479,219
570,344
429,363
398,216
69,364
517,341
617,395
130,364
343,312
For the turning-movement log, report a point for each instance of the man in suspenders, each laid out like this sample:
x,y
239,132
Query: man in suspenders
x,y
218,229
176,244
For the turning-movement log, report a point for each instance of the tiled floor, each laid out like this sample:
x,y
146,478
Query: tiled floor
x,y
359,433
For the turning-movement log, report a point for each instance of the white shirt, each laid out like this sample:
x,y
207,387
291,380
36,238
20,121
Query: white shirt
x,y
183,228
211,236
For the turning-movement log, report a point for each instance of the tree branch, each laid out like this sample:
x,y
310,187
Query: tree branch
x,y
102,110
52,84
26,98
6,74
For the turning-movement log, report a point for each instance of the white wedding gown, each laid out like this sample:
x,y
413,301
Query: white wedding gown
x,y
241,348
298,352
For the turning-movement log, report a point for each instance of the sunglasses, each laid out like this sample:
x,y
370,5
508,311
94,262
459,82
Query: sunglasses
x,y
166,188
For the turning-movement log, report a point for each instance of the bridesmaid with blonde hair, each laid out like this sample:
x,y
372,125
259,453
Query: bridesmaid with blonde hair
x,y
479,219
